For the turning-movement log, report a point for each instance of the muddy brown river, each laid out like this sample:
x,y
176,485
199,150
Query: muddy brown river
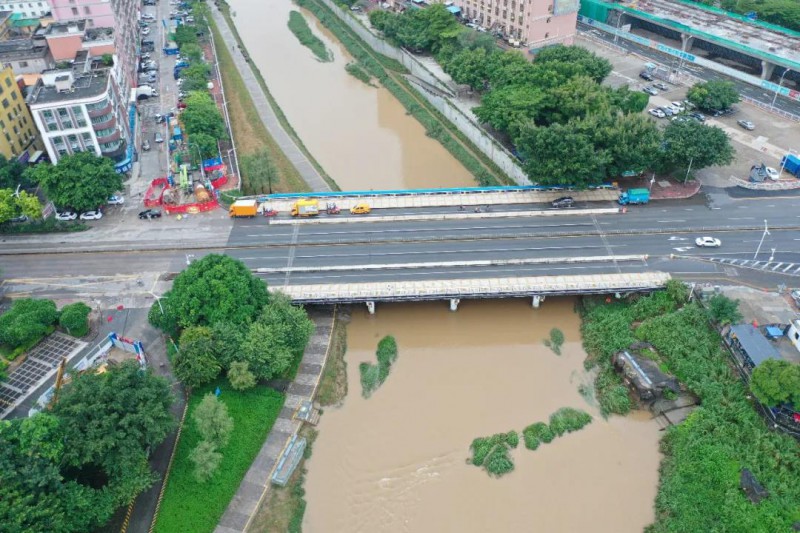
x,y
360,135
396,462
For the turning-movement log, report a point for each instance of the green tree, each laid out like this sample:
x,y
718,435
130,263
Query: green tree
x,y
12,174
470,67
579,97
198,69
74,319
678,291
632,142
259,173
578,60
27,320
206,144
110,421
713,95
192,52
560,154
81,181
206,460
195,363
213,421
240,376
510,68
227,338
724,310
185,34
691,144
202,116
216,288
775,382
628,101
509,108
13,204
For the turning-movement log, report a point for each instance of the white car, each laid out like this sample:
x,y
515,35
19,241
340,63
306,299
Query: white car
x,y
708,242
656,112
66,215
116,200
772,173
679,106
91,215
145,31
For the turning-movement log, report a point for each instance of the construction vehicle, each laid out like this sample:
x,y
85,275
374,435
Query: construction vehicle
x,y
243,208
360,209
332,209
634,196
306,207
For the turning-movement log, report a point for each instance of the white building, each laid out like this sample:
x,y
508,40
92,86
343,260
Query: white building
x,y
79,110
27,8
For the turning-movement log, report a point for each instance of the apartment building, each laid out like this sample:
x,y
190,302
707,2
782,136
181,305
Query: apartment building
x,y
26,8
19,137
81,109
121,15
534,23
66,39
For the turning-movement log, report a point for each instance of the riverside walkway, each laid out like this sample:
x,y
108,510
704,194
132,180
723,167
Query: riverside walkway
x,y
265,112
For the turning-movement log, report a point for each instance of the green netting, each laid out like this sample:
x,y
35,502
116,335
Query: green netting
x,y
718,11
594,10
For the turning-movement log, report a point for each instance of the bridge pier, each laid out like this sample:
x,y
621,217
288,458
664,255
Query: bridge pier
x,y
686,42
454,303
766,69
371,307
537,300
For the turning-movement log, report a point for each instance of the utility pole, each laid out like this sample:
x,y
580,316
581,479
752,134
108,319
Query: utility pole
x,y
780,82
766,232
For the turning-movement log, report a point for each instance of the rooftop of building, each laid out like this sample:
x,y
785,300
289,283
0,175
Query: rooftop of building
x,y
84,85
21,45
60,29
98,34
735,31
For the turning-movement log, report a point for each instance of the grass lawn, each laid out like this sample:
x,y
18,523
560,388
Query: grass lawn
x,y
248,130
197,507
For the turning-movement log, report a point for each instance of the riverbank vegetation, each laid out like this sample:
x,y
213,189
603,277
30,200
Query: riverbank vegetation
x,y
226,323
333,383
68,468
565,420
387,72
555,341
703,456
189,505
358,72
250,119
566,127
299,27
373,375
491,453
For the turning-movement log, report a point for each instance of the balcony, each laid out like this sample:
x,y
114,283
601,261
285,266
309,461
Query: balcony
x,y
106,109
109,123
111,137
115,152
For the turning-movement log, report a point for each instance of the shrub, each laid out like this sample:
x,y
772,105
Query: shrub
x,y
567,420
299,26
483,446
74,319
206,461
27,321
555,341
240,376
213,421
499,463
724,310
369,378
537,433
373,376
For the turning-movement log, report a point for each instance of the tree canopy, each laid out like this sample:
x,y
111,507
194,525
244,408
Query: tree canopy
x,y
421,30
713,95
216,288
689,143
12,174
775,382
14,204
80,181
27,320
202,116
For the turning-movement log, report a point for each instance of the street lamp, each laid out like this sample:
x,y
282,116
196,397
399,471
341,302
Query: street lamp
x,y
780,82
766,232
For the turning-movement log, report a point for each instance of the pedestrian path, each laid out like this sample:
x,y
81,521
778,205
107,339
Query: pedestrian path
x,y
256,482
287,145
786,268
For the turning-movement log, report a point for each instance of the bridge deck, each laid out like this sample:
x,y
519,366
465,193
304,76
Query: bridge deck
x,y
474,288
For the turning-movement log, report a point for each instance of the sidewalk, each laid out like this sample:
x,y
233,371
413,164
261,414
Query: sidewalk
x,y
265,112
256,482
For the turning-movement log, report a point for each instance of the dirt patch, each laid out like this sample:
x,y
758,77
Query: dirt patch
x,y
333,383
284,507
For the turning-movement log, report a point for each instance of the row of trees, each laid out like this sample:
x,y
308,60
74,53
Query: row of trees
x,y
69,468
226,321
203,122
29,319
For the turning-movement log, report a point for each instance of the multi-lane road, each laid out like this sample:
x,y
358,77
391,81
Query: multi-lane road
x,y
472,247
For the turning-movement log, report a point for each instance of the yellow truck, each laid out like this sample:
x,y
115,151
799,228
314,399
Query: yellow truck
x,y
243,208
305,208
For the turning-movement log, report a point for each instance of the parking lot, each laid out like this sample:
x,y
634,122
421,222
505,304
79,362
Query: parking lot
x,y
771,138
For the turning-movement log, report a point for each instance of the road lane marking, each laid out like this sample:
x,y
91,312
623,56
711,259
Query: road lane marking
x,y
665,221
742,218
787,268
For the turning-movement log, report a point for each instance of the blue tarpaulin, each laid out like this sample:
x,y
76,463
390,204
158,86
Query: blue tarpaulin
x,y
455,10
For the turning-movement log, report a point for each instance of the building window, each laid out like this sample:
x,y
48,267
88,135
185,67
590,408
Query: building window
x,y
86,10
8,137
58,141
87,138
67,124
80,122
62,112
16,130
8,82
2,125
62,152
23,64
13,96
52,126
5,103
74,10
77,111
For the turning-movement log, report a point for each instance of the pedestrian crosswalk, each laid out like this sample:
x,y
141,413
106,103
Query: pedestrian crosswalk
x,y
790,269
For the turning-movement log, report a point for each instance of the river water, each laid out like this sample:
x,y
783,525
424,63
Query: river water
x,y
360,135
396,462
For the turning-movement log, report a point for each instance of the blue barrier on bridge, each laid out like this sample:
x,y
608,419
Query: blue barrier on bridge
x,y
413,192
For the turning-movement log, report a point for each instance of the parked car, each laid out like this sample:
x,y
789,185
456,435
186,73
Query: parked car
x,y
678,105
680,118
722,112
564,201
796,297
148,16
149,214
645,75
146,145
667,111
158,137
92,215
66,216
708,242
650,90
360,209
656,112
116,199
661,85
772,173
699,117
21,218
746,124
